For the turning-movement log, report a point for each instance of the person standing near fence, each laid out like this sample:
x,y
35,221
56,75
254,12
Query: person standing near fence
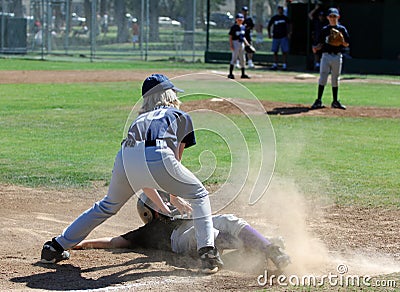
x,y
237,42
135,32
249,25
318,21
104,24
281,31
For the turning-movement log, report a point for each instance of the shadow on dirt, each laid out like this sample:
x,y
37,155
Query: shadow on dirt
x,y
63,277
141,271
288,110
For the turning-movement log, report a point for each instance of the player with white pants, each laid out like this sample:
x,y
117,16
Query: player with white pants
x,y
331,60
237,42
149,159
178,235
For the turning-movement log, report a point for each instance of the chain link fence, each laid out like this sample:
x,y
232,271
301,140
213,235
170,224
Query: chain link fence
x,y
118,29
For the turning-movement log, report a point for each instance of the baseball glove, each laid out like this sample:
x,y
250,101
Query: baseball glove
x,y
335,38
249,49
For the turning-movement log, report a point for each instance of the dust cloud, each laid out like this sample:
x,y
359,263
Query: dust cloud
x,y
285,211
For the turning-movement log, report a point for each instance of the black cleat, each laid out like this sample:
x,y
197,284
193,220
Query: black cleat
x,y
231,76
317,104
244,76
52,254
210,260
337,104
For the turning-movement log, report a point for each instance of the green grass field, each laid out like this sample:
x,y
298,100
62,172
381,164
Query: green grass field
x,y
66,135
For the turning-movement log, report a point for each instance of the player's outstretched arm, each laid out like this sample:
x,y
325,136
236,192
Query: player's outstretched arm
x,y
103,243
154,196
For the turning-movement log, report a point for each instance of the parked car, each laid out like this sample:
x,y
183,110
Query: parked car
x,y
222,20
168,22
198,23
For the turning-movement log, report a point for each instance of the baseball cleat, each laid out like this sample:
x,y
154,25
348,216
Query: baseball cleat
x,y
231,76
244,76
280,259
337,104
317,104
50,255
278,241
210,260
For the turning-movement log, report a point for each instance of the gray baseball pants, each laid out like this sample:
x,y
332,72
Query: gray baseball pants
x,y
238,53
138,167
330,63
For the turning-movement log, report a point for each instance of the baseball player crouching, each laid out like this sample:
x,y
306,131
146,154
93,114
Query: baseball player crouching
x,y
178,235
149,159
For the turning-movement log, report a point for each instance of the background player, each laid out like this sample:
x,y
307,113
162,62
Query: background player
x,y
331,60
281,30
318,21
178,235
237,41
149,159
249,25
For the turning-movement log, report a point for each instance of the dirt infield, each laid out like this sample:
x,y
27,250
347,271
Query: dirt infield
x,y
319,236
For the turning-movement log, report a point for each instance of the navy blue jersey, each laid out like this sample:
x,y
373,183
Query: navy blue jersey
x,y
280,25
237,32
155,234
249,25
166,123
323,39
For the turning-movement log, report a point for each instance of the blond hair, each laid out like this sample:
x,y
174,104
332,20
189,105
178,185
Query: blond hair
x,y
158,99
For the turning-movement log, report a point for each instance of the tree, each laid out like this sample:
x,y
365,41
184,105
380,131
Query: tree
x,y
121,21
273,4
103,7
188,25
239,4
18,8
153,25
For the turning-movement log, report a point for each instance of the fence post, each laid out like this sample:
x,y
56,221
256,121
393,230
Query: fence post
x,y
93,31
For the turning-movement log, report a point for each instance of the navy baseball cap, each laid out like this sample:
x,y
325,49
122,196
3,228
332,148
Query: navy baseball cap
x,y
245,8
156,83
239,15
333,11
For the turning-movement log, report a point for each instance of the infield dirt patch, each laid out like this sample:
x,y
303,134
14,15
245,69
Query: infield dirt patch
x,y
319,236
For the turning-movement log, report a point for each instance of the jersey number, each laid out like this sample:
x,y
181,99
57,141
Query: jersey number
x,y
153,115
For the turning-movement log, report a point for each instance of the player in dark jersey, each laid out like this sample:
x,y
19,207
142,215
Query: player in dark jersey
x,y
249,25
281,30
149,159
318,21
178,235
331,61
237,41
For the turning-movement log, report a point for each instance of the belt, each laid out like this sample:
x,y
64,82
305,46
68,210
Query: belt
x,y
148,143
155,143
332,53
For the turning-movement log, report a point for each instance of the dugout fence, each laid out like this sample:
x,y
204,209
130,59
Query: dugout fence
x,y
114,30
